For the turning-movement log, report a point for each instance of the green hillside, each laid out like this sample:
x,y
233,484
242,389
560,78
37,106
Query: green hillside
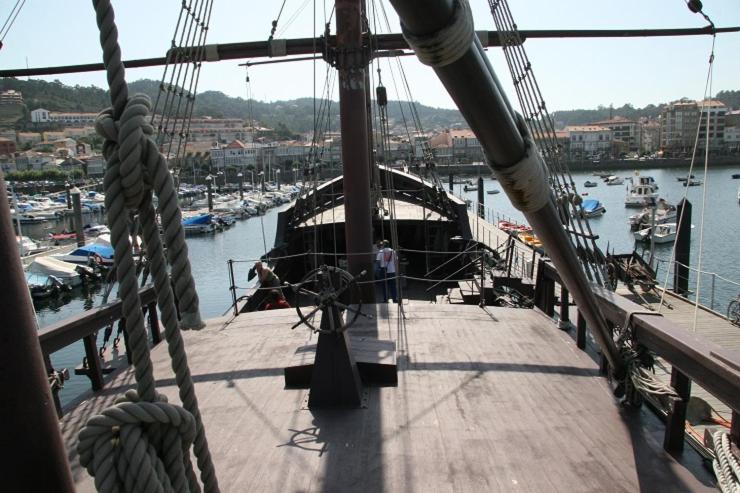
x,y
296,114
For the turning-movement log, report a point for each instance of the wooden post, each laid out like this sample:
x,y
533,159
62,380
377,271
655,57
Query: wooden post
x,y
94,368
77,205
675,425
581,331
54,391
452,183
481,198
735,428
683,249
154,323
35,458
564,307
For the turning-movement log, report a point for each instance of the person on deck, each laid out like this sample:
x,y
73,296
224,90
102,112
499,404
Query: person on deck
x,y
276,301
266,277
386,258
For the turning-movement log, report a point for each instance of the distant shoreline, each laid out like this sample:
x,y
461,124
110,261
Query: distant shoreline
x,y
607,165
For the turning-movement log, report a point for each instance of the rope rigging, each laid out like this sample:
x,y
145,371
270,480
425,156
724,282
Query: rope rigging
x,y
542,128
175,102
8,24
142,441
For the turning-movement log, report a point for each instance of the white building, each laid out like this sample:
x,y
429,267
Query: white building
x,y
237,153
590,141
40,115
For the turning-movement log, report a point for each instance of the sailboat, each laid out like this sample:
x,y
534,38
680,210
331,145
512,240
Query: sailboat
x,y
458,384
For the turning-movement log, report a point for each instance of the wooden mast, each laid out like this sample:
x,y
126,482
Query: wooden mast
x,y
351,61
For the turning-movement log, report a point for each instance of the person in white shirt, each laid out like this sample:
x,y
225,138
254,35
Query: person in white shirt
x,y
386,260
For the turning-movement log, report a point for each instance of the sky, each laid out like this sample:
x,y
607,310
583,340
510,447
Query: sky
x,y
571,73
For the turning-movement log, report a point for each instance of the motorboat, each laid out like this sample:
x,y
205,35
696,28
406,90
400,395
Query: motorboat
x,y
493,192
692,183
614,180
95,229
200,224
642,191
43,286
26,245
592,208
64,271
685,178
94,253
664,213
470,188
664,233
590,184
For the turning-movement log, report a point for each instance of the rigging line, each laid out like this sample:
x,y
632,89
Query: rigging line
x,y
193,88
11,21
705,187
177,87
691,169
542,128
275,22
292,18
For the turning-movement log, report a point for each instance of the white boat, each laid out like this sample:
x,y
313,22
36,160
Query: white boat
x,y
26,246
93,253
50,266
95,229
642,191
664,233
614,180
664,213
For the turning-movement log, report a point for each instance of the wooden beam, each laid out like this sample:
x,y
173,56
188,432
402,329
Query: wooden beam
x,y
68,331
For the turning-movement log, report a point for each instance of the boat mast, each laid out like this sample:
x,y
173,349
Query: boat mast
x,y
351,61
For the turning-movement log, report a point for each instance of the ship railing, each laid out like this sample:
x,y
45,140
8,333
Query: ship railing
x,y
717,291
692,359
84,327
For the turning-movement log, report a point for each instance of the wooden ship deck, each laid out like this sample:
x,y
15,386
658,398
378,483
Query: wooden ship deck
x,y
488,399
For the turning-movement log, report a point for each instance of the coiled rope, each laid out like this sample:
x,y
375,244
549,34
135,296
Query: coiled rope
x,y
142,442
726,466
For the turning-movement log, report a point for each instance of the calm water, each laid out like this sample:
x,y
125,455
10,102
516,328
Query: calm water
x,y
208,254
721,254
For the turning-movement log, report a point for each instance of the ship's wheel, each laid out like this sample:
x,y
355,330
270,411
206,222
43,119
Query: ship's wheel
x,y
330,290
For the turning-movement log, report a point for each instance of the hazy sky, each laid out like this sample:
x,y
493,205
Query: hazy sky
x,y
572,73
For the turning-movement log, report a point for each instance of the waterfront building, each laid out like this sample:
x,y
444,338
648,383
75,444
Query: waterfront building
x,y
456,145
624,130
680,121
650,137
94,165
236,153
589,141
31,160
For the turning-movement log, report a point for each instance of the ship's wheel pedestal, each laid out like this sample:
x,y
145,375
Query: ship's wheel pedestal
x,y
335,379
337,366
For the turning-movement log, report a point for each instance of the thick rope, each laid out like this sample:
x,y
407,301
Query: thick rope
x,y
726,466
149,453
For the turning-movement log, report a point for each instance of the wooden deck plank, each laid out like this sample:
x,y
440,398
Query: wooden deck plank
x,y
491,399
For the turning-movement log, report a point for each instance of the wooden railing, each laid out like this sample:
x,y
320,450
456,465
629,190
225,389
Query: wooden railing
x,y
85,327
715,369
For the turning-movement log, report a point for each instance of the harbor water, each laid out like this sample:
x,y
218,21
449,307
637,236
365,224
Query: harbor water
x,y
247,240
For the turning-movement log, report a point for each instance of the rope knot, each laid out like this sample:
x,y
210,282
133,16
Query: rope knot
x,y
126,143
134,445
